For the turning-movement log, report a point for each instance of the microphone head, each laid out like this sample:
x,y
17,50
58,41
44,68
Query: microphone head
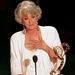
x,y
35,58
26,62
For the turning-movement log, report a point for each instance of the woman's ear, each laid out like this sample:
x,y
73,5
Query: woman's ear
x,y
37,18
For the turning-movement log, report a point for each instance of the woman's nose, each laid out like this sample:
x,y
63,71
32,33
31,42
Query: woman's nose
x,y
30,21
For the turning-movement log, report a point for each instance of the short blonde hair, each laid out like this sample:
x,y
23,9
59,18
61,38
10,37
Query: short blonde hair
x,y
28,6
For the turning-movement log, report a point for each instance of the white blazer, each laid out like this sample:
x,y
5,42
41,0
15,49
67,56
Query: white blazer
x,y
18,53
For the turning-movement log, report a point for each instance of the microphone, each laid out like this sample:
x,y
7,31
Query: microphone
x,y
35,58
26,64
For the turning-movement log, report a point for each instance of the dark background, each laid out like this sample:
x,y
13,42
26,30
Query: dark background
x,y
57,13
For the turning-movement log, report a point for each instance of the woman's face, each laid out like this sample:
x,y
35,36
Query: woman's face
x,y
29,21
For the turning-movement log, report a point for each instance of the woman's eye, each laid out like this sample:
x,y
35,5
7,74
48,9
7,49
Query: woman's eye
x,y
33,16
25,18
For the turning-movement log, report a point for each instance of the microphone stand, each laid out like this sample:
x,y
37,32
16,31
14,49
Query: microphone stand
x,y
35,60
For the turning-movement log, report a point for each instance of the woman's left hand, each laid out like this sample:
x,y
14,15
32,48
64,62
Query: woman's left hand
x,y
40,44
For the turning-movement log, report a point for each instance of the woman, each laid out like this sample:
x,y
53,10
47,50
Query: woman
x,y
33,40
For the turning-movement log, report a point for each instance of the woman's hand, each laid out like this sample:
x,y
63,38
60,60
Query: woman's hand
x,y
50,52
40,44
34,41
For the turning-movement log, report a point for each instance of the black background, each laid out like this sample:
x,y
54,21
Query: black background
x,y
57,13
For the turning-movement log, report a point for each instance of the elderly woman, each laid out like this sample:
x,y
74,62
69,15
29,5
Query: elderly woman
x,y
31,49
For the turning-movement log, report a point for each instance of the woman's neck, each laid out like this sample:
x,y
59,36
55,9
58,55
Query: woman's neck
x,y
33,30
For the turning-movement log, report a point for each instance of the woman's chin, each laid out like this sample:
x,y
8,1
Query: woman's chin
x,y
31,27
